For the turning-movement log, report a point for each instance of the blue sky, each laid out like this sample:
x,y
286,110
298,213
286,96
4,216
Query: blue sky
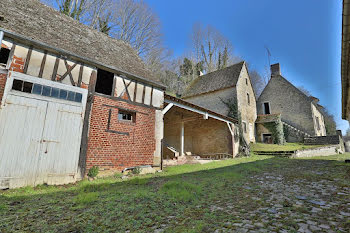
x,y
303,35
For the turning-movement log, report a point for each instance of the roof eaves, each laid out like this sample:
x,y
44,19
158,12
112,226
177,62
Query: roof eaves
x,y
40,45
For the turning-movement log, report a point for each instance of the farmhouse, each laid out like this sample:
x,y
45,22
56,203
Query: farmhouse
x,y
73,98
221,89
282,102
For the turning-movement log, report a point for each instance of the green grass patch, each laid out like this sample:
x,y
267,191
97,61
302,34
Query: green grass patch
x,y
286,147
181,191
86,198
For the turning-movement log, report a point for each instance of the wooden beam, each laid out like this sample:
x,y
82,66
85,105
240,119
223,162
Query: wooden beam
x,y
150,103
12,53
126,89
135,90
29,55
68,72
42,66
80,78
55,68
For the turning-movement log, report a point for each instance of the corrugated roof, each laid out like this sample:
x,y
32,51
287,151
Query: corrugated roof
x,y
34,20
214,81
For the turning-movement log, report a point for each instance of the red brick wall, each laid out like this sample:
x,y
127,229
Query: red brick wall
x,y
115,151
17,64
2,84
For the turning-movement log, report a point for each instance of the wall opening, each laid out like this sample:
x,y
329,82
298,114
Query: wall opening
x,y
104,82
267,108
4,56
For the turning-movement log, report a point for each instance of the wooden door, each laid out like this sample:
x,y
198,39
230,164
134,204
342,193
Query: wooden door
x,y
21,128
61,139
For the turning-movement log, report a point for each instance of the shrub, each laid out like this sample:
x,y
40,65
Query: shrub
x,y
93,172
136,170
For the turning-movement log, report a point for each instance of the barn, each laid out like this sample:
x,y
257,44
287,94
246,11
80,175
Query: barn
x,y
71,98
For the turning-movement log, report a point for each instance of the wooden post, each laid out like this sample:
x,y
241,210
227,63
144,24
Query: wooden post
x,y
1,37
182,139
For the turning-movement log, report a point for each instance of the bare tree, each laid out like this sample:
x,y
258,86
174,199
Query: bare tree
x,y
211,47
134,22
257,82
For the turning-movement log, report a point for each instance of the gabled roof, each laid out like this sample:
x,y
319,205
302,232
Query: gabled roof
x,y
32,19
214,81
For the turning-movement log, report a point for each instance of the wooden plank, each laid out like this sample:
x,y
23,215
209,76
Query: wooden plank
x,y
29,55
55,68
42,66
92,82
80,78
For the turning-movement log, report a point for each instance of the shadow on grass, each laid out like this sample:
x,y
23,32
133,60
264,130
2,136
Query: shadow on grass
x,y
146,201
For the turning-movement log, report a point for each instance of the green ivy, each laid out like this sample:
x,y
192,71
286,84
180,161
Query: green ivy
x,y
277,131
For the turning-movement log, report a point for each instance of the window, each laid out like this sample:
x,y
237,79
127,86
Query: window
x,y
246,81
244,127
104,82
4,55
126,116
248,99
267,108
38,89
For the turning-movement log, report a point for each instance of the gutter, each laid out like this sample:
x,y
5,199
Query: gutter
x,y
30,42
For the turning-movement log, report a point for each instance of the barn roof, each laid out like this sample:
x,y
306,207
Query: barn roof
x,y
38,22
214,81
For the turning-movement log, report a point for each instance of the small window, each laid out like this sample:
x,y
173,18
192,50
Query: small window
x,y
248,99
245,127
38,89
126,116
17,85
246,81
267,108
4,55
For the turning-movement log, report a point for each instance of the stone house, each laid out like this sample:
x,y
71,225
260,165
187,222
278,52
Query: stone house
x,y
299,113
231,83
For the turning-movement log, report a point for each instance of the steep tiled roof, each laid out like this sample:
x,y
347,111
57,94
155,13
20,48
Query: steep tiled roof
x,y
216,80
32,19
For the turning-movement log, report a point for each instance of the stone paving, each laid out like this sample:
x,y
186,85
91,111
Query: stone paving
x,y
308,197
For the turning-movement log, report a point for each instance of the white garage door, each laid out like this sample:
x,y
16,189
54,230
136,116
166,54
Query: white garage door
x,y
40,132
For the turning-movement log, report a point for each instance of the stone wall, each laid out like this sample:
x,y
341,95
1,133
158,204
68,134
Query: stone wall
x,y
212,100
201,136
284,98
248,110
321,151
321,130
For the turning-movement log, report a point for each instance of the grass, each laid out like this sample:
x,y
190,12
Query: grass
x,y
187,198
286,147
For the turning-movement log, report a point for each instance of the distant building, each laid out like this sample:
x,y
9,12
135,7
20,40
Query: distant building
x,y
298,112
231,83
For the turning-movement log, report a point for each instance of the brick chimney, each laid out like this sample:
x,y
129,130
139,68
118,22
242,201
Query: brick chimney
x,y
275,69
